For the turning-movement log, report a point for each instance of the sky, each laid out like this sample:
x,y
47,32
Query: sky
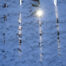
x,y
32,33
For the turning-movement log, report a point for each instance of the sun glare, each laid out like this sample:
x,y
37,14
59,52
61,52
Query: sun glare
x,y
39,13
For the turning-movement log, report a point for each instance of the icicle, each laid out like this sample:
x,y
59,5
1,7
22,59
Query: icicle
x,y
20,33
40,43
55,2
20,2
20,20
57,24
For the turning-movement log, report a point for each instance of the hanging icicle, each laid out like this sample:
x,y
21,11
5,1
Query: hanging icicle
x,y
40,43
55,2
20,32
39,14
57,25
20,29
20,2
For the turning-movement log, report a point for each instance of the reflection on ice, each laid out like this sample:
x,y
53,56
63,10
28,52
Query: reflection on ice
x,y
55,2
20,18
20,27
20,2
20,33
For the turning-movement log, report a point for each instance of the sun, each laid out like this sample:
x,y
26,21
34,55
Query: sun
x,y
39,13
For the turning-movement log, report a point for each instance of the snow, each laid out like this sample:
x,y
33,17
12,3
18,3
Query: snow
x,y
29,52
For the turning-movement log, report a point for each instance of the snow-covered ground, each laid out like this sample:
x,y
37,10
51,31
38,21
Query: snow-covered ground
x,y
20,36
